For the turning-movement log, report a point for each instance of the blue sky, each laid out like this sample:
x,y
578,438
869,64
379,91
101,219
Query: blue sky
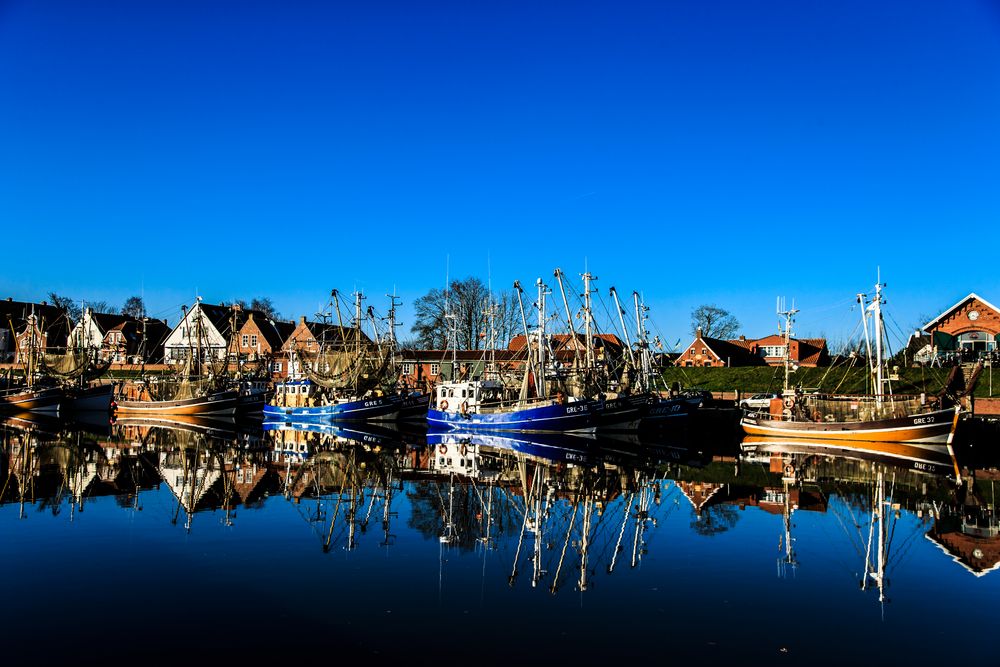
x,y
703,152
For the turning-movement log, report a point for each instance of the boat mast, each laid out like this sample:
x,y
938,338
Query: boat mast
x,y
390,337
789,315
357,321
642,342
569,316
527,341
862,301
142,348
198,321
879,333
543,291
621,319
30,366
588,321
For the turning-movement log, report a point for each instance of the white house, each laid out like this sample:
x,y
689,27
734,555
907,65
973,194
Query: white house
x,y
205,327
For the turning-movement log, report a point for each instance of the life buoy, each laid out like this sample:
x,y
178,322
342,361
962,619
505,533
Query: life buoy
x,y
789,401
442,449
465,449
444,405
789,470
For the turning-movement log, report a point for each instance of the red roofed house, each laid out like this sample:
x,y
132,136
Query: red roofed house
x,y
767,351
972,325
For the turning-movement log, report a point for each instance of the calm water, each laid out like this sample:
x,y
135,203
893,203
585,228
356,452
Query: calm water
x,y
164,545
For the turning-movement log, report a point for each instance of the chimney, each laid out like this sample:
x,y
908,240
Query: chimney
x,y
742,337
697,334
302,319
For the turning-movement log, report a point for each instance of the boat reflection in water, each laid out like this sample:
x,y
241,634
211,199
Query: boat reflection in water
x,y
868,488
496,524
564,507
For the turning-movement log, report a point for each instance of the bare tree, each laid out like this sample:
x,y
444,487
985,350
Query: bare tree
x,y
99,306
264,305
714,322
135,307
469,302
65,304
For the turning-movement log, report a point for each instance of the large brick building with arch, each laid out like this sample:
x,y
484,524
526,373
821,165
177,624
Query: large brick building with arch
x,y
971,325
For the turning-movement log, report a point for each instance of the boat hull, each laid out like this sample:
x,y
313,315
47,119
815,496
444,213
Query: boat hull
x,y
379,408
578,416
413,407
91,399
252,404
618,414
222,403
39,401
931,428
666,411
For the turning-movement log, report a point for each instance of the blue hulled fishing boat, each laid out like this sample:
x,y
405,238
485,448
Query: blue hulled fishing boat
x,y
479,405
346,379
301,400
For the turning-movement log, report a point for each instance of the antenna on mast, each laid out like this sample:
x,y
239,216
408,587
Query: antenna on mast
x,y
789,316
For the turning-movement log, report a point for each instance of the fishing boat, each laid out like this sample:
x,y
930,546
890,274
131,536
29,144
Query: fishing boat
x,y
877,417
197,389
301,400
655,410
487,404
626,395
78,371
27,398
36,392
348,379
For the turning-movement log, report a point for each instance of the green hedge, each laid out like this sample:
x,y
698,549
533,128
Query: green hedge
x,y
755,379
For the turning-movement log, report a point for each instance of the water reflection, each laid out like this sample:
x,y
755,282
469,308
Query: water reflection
x,y
547,513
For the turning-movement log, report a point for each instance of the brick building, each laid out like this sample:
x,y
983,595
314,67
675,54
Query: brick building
x,y
135,342
972,325
302,345
25,324
742,351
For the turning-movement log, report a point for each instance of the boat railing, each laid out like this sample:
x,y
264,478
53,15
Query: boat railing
x,y
846,408
517,404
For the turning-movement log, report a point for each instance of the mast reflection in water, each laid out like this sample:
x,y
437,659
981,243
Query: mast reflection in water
x,y
215,540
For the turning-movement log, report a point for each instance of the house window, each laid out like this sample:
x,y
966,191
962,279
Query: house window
x,y
435,369
407,369
244,340
772,351
253,340
704,350
276,367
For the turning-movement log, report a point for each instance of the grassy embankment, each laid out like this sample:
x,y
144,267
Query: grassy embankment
x,y
756,379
